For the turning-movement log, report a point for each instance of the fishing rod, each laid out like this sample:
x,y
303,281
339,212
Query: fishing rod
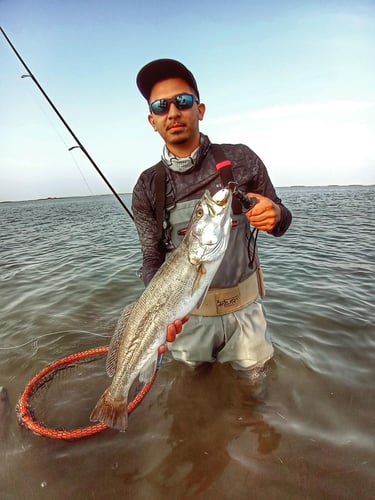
x,y
80,145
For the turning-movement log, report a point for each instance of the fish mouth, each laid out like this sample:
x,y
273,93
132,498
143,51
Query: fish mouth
x,y
218,201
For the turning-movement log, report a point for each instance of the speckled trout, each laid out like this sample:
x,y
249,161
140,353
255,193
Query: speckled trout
x,y
178,286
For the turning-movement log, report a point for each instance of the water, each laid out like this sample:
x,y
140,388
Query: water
x,y
68,266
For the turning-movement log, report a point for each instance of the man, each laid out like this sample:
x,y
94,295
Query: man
x,y
230,325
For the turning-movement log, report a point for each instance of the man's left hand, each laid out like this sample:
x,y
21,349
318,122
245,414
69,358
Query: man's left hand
x,y
265,214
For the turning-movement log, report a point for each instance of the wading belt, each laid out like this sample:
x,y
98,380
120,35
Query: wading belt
x,y
219,301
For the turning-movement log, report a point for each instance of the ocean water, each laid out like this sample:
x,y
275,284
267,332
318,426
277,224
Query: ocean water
x,y
304,431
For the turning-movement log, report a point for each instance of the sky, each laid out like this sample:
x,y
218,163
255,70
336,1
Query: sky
x,y
293,80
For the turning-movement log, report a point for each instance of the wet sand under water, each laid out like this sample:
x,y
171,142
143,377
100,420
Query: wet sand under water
x,y
305,431
202,433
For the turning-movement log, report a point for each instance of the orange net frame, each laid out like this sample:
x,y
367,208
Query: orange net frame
x,y
25,412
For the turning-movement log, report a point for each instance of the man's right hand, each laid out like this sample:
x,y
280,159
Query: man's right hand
x,y
172,331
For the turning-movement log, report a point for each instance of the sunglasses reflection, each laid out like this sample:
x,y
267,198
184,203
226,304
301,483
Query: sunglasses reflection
x,y
181,101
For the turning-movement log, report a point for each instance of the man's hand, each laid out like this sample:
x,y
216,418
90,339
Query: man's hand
x,y
265,214
172,331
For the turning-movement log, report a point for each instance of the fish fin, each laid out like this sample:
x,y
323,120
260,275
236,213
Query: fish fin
x,y
135,389
201,271
200,301
148,370
111,412
115,343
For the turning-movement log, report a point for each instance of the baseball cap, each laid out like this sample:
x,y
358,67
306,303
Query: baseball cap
x,y
162,69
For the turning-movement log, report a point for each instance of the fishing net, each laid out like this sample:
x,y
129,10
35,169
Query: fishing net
x,y
57,402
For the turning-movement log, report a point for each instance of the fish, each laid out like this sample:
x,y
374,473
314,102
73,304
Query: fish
x,y
176,289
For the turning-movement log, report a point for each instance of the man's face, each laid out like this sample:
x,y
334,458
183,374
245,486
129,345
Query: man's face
x,y
178,128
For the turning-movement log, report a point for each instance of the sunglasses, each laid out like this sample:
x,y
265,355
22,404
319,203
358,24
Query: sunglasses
x,y
181,101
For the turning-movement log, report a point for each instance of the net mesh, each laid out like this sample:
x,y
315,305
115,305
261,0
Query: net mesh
x,y
57,402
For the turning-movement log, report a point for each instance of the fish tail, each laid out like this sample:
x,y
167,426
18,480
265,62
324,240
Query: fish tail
x,y
111,412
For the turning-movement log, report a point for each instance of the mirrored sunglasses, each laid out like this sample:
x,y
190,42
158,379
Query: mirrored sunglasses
x,y
181,101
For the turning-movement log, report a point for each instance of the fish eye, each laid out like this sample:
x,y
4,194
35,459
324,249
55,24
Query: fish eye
x,y
199,212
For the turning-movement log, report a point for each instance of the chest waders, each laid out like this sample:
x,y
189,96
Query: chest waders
x,y
238,281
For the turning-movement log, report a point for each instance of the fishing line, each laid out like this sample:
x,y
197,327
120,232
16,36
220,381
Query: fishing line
x,y
49,379
34,341
52,124
252,254
80,145
80,171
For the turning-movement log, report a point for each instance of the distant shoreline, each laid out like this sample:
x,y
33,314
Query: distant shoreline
x,y
296,186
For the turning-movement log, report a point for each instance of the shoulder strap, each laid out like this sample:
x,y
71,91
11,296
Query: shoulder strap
x,y
225,173
160,197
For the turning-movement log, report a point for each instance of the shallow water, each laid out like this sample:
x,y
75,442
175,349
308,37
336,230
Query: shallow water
x,y
306,430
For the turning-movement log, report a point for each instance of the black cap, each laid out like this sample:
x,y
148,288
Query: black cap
x,y
162,69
